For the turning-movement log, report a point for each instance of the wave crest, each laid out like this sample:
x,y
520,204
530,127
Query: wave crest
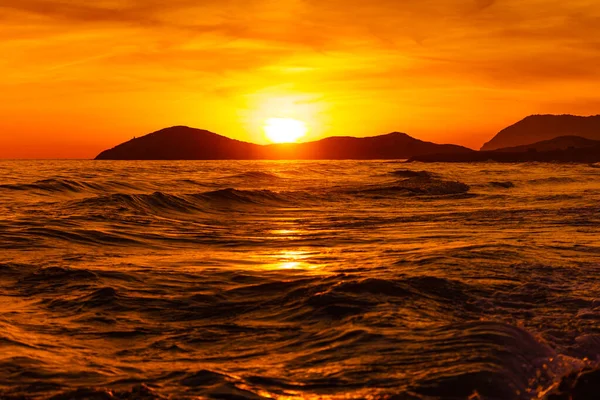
x,y
424,186
254,175
257,197
409,173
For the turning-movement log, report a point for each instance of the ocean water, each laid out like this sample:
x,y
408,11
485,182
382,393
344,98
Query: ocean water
x,y
296,280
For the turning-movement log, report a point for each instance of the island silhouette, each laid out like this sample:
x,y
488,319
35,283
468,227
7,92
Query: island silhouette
x,y
185,143
537,138
558,143
537,128
563,149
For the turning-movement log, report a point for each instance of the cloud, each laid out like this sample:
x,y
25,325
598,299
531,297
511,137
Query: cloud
x,y
461,53
482,36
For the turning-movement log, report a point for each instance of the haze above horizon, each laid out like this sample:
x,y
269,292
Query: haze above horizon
x,y
78,78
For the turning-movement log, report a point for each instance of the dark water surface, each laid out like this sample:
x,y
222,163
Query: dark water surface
x,y
289,280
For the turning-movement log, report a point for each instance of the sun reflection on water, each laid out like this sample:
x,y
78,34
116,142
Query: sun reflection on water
x,y
291,265
292,260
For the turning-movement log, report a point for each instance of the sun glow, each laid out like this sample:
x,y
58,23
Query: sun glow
x,y
284,130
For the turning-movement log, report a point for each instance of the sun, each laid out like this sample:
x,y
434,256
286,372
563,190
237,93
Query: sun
x,y
284,130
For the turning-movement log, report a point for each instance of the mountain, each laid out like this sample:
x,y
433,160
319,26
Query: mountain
x,y
181,143
394,145
587,155
559,143
184,143
536,128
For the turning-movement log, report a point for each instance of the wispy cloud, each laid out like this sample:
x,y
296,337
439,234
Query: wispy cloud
x,y
466,54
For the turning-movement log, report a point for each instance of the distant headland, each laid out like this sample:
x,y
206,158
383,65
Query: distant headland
x,y
537,138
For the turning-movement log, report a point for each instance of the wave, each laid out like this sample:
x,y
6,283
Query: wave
x,y
55,279
558,197
408,173
139,392
339,297
81,236
505,185
69,186
105,298
170,286
417,186
148,203
552,179
61,275
255,197
500,361
373,325
53,185
159,203
254,175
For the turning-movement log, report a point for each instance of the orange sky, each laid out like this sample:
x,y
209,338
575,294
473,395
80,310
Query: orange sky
x,y
78,77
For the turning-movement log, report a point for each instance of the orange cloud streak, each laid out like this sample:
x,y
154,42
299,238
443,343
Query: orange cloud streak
x,y
78,78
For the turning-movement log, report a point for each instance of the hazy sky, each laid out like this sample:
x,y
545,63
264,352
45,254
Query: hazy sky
x,y
77,77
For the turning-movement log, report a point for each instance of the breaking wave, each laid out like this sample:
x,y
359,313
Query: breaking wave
x,y
417,186
254,175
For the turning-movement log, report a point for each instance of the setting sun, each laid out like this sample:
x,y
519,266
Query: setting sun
x,y
284,130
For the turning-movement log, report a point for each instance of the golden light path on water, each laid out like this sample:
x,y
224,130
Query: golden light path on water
x,y
297,280
293,260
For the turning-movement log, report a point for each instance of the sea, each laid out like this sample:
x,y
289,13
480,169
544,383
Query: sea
x,y
296,279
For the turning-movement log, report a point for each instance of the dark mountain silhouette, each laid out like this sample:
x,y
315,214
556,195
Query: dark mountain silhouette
x,y
559,143
181,143
184,143
394,145
537,128
570,155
